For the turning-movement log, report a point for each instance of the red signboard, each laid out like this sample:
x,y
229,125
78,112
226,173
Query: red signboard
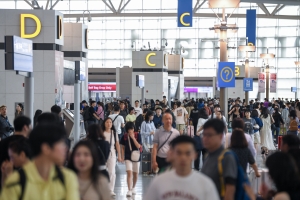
x,y
102,87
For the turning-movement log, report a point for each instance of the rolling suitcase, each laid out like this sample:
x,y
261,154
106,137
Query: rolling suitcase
x,y
146,162
257,182
279,142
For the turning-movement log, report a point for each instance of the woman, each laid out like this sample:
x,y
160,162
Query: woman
x,y
95,134
147,131
100,112
194,116
293,122
266,132
111,137
131,141
257,128
239,145
19,153
277,120
235,112
36,115
19,110
203,117
284,174
84,162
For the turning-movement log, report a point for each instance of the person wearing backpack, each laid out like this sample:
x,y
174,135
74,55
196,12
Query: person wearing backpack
x,y
43,178
293,123
111,137
212,140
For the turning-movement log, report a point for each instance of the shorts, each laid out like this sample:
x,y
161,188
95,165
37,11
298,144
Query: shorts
x,y
180,127
256,137
132,166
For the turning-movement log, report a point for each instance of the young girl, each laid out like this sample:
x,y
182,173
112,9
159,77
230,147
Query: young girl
x,y
131,141
84,162
111,137
148,130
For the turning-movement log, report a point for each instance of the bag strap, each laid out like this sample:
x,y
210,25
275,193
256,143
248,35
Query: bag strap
x,y
59,175
102,154
164,142
129,143
22,182
220,170
115,118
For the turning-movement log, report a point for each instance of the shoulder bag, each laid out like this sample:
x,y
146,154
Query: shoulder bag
x,y
135,154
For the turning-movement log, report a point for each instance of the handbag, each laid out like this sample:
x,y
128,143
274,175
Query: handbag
x,y
135,154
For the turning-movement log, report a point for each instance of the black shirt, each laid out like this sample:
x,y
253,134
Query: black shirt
x,y
124,113
91,114
125,142
245,156
103,148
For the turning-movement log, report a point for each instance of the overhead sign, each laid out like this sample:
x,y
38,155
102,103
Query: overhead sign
x,y
102,87
261,82
185,13
18,54
148,59
226,74
251,27
248,84
239,71
23,25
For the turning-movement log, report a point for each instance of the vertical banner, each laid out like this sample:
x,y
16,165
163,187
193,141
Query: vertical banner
x,y
261,82
185,13
226,74
251,27
248,84
273,82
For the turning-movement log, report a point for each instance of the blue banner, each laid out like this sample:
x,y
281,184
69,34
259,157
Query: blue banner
x,y
226,74
185,13
251,27
248,84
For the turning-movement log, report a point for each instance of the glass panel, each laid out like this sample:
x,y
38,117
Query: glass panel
x,y
7,5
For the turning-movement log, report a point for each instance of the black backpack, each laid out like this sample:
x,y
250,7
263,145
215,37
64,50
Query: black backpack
x,y
22,182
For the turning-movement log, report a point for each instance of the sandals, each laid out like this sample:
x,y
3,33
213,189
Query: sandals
x,y
264,150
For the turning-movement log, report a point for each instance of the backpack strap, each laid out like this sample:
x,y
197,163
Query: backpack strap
x,y
22,182
220,170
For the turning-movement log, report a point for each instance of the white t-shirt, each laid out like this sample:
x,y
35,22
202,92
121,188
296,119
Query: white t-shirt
x,y
118,122
201,122
179,115
170,186
138,111
112,144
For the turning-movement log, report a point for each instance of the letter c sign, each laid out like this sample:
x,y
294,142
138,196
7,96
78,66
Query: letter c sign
x,y
147,59
38,26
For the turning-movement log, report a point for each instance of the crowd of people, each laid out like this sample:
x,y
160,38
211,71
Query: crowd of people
x,y
37,162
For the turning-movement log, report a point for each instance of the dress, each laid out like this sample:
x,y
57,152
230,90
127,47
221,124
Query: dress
x,y
266,134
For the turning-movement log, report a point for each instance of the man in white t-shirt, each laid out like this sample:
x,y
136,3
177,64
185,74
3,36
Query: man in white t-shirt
x,y
118,121
181,116
138,111
182,182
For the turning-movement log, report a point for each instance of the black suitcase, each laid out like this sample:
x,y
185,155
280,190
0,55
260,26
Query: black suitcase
x,y
146,162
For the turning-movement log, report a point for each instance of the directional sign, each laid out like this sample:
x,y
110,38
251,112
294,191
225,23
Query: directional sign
x,y
226,74
248,84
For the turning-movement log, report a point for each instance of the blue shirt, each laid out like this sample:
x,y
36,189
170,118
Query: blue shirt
x,y
157,121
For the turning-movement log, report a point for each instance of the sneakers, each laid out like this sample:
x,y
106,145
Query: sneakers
x,y
129,193
133,191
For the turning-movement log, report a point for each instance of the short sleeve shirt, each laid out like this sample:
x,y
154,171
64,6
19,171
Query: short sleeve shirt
x,y
130,118
108,137
124,141
118,121
179,114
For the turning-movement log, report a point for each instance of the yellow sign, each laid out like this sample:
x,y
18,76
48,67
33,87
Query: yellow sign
x,y
182,62
165,58
38,26
59,27
147,59
237,71
182,19
228,73
86,38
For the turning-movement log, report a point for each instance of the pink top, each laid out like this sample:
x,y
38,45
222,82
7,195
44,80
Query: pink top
x,y
100,112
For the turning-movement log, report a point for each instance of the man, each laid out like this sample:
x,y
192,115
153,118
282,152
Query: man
x,y
138,111
57,111
157,103
5,127
208,110
290,141
92,115
165,101
157,119
22,126
161,140
49,150
131,116
200,104
118,121
249,123
270,108
212,141
123,113
239,123
182,182
182,117
217,108
84,106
